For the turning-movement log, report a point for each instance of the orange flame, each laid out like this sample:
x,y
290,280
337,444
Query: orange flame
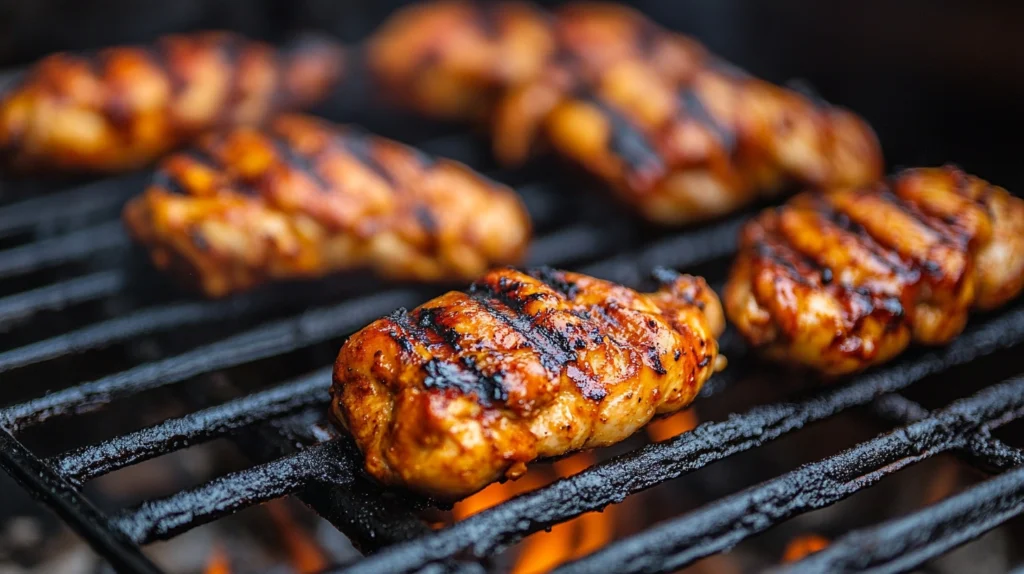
x,y
672,425
803,546
545,550
219,562
305,555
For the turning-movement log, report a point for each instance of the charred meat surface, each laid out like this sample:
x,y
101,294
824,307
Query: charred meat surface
x,y
304,198
124,107
471,386
680,135
842,280
452,58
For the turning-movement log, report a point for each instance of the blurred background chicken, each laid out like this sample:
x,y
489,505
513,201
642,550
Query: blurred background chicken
x,y
304,198
124,107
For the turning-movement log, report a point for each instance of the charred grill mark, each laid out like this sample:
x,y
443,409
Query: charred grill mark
x,y
359,145
167,182
426,219
299,161
555,280
553,348
626,141
781,256
450,374
691,104
887,257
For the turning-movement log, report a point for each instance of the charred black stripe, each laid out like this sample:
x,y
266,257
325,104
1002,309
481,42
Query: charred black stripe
x,y
691,104
302,162
654,360
486,387
884,255
553,349
359,145
555,280
626,141
164,180
782,255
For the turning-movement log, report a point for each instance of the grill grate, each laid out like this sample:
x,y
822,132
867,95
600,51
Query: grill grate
x,y
65,250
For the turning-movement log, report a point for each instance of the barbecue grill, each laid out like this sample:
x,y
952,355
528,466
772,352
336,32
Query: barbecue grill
x,y
73,288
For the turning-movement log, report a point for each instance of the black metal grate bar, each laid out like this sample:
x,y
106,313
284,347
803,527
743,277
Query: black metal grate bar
x,y
103,197
905,543
718,526
74,508
610,482
89,462
680,251
57,296
66,248
166,517
275,338
981,450
143,322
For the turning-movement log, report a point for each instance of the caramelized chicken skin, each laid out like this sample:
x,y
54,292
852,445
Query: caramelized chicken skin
x,y
124,107
843,280
471,386
451,58
680,135
304,198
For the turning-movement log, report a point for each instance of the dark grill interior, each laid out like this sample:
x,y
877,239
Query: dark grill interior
x,y
90,333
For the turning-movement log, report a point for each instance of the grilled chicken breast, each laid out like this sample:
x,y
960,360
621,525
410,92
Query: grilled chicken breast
x,y
843,280
679,134
471,386
124,107
304,198
451,58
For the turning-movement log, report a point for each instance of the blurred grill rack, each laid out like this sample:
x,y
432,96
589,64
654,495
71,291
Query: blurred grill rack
x,y
65,249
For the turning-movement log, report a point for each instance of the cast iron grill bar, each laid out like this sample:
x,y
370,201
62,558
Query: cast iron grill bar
x,y
42,480
721,525
57,296
981,450
612,481
96,198
143,322
73,246
271,339
907,542
279,337
88,462
166,517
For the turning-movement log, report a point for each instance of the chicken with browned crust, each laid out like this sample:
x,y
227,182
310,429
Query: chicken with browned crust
x,y
124,107
680,135
471,386
304,198
451,59
846,279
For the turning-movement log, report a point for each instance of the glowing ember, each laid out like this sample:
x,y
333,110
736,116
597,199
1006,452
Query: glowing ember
x,y
220,562
672,425
803,546
305,554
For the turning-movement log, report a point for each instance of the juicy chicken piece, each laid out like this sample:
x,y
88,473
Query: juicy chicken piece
x,y
124,107
686,137
843,280
471,386
452,58
304,198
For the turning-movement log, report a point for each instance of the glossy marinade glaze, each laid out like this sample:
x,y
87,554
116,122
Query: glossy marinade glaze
x,y
303,198
123,107
846,279
473,385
